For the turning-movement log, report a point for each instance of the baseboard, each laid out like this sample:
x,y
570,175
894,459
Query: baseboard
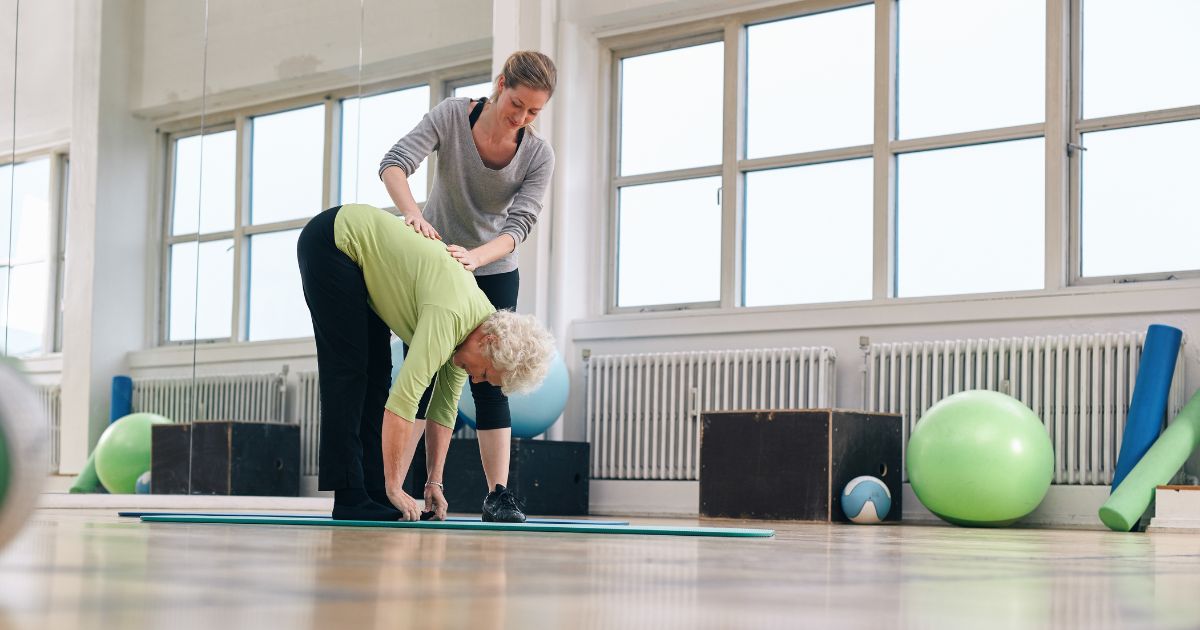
x,y
631,497
1064,506
58,483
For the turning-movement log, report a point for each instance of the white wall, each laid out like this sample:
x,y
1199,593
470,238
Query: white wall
x,y
45,48
272,49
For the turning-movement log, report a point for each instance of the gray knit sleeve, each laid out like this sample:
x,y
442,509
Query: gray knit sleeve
x,y
425,138
527,204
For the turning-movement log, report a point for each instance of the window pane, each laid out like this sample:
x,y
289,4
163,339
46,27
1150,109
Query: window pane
x,y
216,291
671,109
287,165
669,243
385,119
1139,56
30,222
830,54
475,90
808,234
277,307
971,219
967,66
1141,200
220,168
23,316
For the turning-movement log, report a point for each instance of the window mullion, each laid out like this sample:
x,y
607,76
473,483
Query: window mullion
x,y
1059,232
883,275
242,213
732,141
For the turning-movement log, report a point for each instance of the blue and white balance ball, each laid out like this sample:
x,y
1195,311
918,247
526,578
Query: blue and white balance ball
x,y
866,500
143,484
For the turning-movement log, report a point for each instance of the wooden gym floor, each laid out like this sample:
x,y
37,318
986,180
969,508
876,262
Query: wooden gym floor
x,y
89,568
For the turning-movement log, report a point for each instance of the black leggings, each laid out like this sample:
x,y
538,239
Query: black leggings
x,y
354,361
491,405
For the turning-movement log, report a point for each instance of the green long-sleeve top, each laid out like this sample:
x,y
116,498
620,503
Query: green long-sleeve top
x,y
424,295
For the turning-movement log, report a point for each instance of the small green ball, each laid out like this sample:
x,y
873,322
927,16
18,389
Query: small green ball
x,y
980,458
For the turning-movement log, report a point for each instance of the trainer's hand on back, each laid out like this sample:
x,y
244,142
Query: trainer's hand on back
x,y
468,258
421,226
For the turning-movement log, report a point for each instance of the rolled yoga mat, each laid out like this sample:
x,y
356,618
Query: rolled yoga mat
x,y
1149,402
1131,499
122,398
648,530
452,519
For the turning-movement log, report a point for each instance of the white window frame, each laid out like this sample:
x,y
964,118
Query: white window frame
x,y
1080,126
56,251
1060,130
239,120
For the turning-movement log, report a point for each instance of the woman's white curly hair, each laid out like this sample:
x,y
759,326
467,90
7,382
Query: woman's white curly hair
x,y
522,350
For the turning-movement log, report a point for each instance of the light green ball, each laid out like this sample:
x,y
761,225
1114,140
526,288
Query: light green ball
x,y
123,452
980,458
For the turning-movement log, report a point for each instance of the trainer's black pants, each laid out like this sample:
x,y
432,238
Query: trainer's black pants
x,y
353,359
491,405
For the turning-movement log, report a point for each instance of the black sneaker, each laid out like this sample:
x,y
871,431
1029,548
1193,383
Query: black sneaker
x,y
502,506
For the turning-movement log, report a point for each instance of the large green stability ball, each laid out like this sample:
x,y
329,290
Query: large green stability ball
x,y
980,458
123,452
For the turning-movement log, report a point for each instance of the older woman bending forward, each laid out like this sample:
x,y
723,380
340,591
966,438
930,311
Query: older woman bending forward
x,y
364,273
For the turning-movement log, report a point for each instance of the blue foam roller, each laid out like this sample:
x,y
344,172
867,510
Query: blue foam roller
x,y
1149,403
122,398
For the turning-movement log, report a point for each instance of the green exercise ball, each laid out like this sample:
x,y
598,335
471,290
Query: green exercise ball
x,y
980,458
123,452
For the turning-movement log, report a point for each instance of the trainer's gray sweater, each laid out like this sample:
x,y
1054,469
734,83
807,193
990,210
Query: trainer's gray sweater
x,y
471,204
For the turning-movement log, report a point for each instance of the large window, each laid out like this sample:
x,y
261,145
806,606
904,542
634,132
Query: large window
x,y
940,148
1139,197
370,126
669,162
240,193
31,198
969,207
808,116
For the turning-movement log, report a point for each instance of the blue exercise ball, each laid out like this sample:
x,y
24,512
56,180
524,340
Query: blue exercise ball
x,y
532,412
143,484
866,500
398,360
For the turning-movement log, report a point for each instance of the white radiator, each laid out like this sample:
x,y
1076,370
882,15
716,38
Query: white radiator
x,y
50,397
643,410
1080,385
310,423
309,416
244,397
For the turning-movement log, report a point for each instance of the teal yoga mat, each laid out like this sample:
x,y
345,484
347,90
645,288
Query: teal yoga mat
x,y
452,519
647,530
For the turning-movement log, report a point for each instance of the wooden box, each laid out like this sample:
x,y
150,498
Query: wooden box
x,y
551,476
170,456
794,464
246,458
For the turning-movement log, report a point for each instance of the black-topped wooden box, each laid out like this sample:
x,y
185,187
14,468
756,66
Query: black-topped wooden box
x,y
794,464
226,458
551,476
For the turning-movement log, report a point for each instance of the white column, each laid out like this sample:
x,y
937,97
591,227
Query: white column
x,y
532,25
109,222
